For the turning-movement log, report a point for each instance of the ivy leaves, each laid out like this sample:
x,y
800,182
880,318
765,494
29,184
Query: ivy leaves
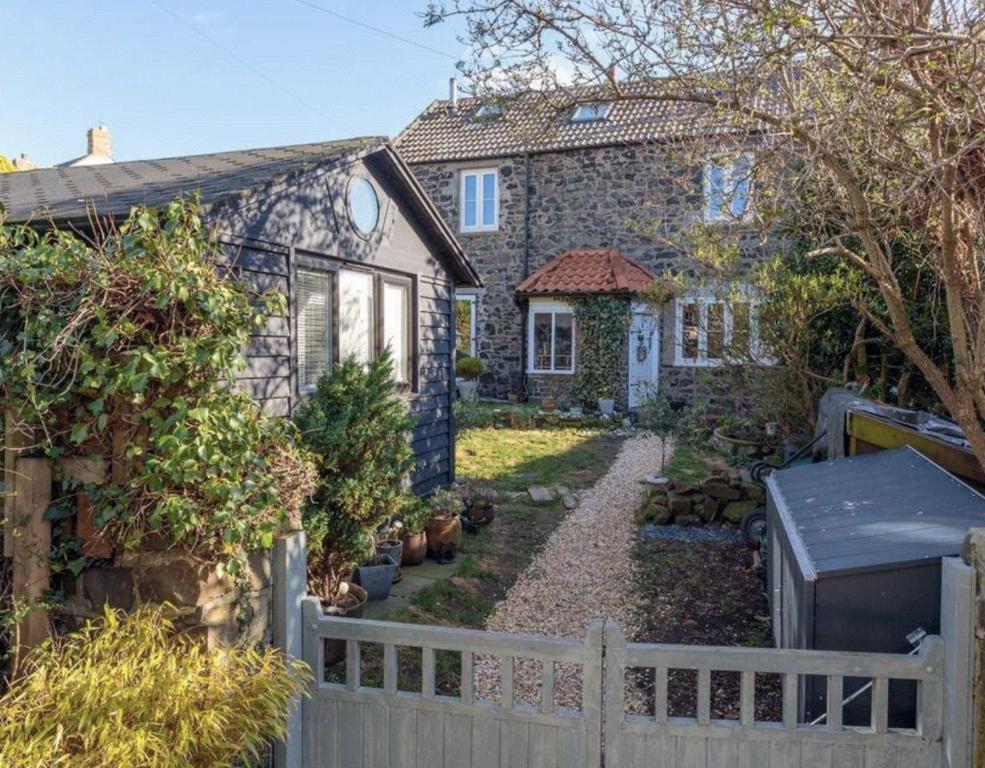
x,y
128,341
602,326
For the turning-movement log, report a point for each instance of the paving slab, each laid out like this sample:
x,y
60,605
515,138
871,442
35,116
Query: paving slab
x,y
415,578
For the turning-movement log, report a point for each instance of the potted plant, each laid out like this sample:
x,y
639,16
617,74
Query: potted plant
x,y
376,576
738,437
548,405
468,370
606,402
480,508
350,602
414,517
444,526
389,542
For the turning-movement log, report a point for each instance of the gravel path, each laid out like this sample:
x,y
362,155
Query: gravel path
x,y
584,572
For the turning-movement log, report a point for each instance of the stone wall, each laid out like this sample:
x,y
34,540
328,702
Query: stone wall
x,y
637,199
221,611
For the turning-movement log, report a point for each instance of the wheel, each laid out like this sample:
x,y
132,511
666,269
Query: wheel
x,y
760,471
753,527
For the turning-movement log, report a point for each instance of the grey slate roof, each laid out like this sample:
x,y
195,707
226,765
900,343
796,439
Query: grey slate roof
x,y
67,193
869,512
533,122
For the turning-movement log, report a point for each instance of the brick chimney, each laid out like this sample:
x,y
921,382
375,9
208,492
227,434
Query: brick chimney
x,y
23,163
100,142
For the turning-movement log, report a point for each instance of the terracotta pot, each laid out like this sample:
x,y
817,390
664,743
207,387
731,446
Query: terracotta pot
x,y
548,405
352,608
415,549
443,530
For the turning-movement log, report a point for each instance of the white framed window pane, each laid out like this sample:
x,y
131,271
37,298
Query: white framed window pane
x,y
714,192
395,328
488,199
715,343
465,325
564,341
470,200
356,315
741,330
542,340
314,312
690,330
740,187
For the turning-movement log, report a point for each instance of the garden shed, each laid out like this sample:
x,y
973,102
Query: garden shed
x,y
854,554
342,228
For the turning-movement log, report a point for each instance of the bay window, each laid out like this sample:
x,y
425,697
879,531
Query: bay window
x,y
551,337
711,331
479,200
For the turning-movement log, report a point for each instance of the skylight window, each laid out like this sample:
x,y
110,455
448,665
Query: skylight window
x,y
488,112
587,113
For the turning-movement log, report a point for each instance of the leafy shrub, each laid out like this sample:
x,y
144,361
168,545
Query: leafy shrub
x,y
131,336
358,427
469,367
129,691
414,517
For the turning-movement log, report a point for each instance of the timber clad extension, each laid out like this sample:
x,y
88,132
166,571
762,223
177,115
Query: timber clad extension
x,y
277,211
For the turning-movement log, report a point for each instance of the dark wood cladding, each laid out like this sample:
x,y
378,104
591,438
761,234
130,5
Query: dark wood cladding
x,y
267,235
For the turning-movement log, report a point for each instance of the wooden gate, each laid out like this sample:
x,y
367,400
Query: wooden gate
x,y
365,719
349,724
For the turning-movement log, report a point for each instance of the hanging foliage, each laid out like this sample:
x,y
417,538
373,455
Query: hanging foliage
x,y
120,346
602,324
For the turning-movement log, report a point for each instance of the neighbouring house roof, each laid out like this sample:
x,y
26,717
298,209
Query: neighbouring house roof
x,y
587,271
535,122
75,194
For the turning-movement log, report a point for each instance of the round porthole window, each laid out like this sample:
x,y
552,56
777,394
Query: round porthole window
x,y
364,206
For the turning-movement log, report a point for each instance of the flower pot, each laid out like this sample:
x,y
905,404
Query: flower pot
x,y
607,406
477,517
392,548
377,579
548,405
442,531
415,549
350,607
735,446
468,389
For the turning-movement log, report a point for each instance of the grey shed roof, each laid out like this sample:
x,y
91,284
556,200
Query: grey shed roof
x,y
112,189
860,513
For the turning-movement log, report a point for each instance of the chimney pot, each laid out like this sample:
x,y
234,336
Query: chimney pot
x,y
23,163
452,95
613,73
100,142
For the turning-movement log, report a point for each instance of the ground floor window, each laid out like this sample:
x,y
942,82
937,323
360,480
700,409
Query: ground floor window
x,y
465,324
342,312
712,330
551,337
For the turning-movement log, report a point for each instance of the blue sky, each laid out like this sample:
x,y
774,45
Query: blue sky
x,y
224,74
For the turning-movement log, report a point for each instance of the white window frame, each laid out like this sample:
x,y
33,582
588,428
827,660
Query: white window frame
x,y
410,342
471,298
479,174
591,112
704,300
728,169
553,308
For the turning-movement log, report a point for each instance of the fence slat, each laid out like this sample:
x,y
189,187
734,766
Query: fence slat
x,y
747,698
468,677
790,701
547,687
427,673
506,681
353,662
835,695
390,671
660,694
880,705
32,545
704,696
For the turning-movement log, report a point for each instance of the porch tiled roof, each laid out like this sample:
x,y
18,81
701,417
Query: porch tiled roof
x,y
587,271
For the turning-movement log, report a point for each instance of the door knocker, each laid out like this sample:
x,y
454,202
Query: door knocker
x,y
643,346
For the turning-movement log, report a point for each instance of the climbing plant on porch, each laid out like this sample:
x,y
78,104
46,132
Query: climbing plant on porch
x,y
602,324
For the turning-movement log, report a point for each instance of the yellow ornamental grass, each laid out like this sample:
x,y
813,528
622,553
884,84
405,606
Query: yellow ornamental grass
x,y
128,691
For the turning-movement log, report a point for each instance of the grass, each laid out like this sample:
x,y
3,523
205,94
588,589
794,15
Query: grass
x,y
515,459
691,464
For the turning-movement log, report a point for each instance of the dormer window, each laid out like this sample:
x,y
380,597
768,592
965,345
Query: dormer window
x,y
488,112
588,113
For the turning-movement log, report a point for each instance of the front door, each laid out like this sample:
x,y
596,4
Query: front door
x,y
644,353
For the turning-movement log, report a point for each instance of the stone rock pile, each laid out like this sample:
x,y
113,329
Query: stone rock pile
x,y
721,498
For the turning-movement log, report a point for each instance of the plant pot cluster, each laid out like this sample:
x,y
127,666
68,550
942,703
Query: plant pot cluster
x,y
723,497
480,508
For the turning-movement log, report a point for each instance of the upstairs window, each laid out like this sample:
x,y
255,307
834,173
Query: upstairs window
x,y
726,190
314,299
488,112
551,338
711,331
587,113
480,200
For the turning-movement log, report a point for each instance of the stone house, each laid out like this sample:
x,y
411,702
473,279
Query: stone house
x,y
568,197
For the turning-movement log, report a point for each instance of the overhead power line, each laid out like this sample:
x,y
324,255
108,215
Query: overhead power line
x,y
247,63
379,31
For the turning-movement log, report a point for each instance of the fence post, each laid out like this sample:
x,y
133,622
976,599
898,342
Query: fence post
x,y
615,691
32,545
591,692
958,634
290,587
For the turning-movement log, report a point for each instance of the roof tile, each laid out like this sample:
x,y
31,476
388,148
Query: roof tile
x,y
587,271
